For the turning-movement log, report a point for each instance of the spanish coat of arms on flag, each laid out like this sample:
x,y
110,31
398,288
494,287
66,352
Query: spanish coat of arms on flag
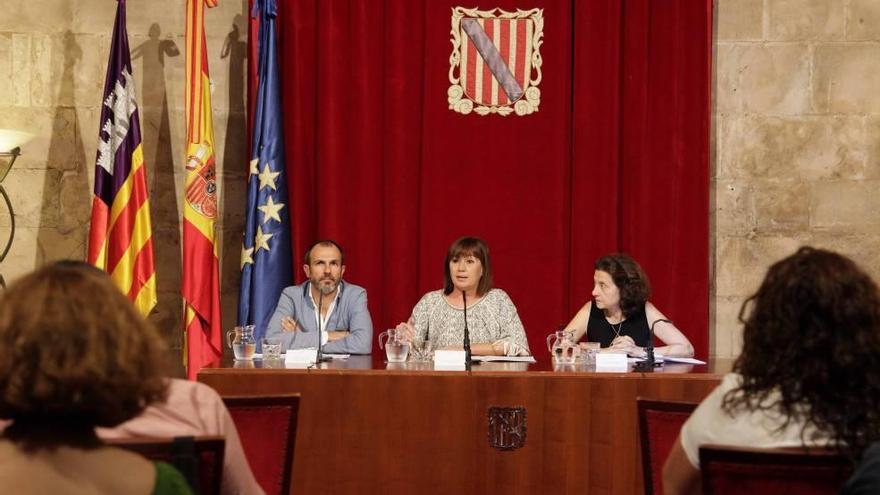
x,y
495,65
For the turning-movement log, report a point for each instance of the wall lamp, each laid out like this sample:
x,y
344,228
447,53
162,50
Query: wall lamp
x,y
10,149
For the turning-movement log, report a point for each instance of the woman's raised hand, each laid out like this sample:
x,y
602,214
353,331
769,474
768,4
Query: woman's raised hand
x,y
406,330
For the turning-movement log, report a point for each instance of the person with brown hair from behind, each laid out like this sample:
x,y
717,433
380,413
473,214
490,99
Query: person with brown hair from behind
x,y
75,355
808,374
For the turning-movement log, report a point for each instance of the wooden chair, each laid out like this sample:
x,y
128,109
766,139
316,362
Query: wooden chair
x,y
267,427
736,470
199,459
659,425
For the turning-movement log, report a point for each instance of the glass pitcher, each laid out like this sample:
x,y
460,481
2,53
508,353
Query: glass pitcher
x,y
396,345
562,347
242,342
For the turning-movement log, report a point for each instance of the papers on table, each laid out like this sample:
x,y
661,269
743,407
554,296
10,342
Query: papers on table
x,y
659,358
506,359
454,360
308,356
683,360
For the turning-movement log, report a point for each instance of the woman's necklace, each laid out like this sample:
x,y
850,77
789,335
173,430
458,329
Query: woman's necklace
x,y
617,330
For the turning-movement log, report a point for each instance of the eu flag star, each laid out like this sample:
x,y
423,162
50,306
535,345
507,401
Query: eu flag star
x,y
261,241
267,177
247,257
270,210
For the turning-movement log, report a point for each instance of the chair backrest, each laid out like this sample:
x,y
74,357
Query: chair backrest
x,y
199,459
729,470
269,455
659,425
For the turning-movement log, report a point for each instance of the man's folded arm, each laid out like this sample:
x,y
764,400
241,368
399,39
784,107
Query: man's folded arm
x,y
360,337
284,308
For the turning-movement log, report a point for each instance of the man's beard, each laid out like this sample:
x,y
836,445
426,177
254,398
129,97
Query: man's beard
x,y
327,289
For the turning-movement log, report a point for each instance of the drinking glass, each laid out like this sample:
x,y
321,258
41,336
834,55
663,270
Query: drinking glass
x,y
590,350
421,351
271,349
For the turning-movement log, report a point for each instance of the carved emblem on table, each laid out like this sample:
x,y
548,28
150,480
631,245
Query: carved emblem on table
x,y
507,427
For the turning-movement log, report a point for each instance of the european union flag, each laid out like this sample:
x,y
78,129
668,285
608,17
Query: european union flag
x,y
265,253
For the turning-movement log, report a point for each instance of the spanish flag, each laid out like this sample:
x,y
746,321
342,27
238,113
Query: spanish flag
x,y
201,281
120,235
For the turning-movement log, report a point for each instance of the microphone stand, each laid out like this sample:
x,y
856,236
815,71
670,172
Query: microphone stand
x,y
650,362
319,357
467,336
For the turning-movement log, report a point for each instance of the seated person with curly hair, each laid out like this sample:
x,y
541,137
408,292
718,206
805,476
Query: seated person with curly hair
x,y
809,372
619,317
76,355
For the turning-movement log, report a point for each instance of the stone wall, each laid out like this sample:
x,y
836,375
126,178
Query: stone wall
x,y
796,134
796,141
53,59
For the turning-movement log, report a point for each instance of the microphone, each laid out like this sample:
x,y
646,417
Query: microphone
x,y
319,357
467,335
649,349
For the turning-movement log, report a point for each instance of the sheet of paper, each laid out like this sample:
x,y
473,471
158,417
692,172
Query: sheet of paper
x,y
682,360
308,355
665,359
507,359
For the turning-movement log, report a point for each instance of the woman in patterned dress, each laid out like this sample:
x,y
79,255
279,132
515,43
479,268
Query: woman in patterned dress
x,y
493,323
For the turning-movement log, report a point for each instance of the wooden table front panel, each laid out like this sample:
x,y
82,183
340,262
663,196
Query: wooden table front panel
x,y
425,432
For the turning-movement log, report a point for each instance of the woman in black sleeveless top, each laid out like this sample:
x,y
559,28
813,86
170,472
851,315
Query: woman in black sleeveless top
x,y
619,316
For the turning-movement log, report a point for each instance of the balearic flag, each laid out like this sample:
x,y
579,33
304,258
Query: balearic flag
x,y
120,235
200,280
265,252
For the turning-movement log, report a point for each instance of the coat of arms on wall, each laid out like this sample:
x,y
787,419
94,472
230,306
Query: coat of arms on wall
x,y
495,66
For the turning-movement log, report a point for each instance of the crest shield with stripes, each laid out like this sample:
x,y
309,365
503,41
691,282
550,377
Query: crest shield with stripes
x,y
496,61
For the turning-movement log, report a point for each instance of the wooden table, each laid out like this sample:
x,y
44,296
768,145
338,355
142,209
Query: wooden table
x,y
366,426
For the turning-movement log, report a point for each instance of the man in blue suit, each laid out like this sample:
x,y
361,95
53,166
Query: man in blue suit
x,y
346,327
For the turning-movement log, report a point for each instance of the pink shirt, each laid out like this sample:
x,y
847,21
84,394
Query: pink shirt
x,y
195,409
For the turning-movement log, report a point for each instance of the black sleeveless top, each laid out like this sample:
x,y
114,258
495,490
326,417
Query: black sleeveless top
x,y
599,330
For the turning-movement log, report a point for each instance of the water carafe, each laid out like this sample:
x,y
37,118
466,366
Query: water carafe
x,y
242,342
396,345
562,347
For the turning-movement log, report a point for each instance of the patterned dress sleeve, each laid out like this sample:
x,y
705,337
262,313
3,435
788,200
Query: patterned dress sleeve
x,y
511,333
421,316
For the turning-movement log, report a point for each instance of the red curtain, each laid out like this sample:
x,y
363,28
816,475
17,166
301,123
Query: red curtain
x,y
616,158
